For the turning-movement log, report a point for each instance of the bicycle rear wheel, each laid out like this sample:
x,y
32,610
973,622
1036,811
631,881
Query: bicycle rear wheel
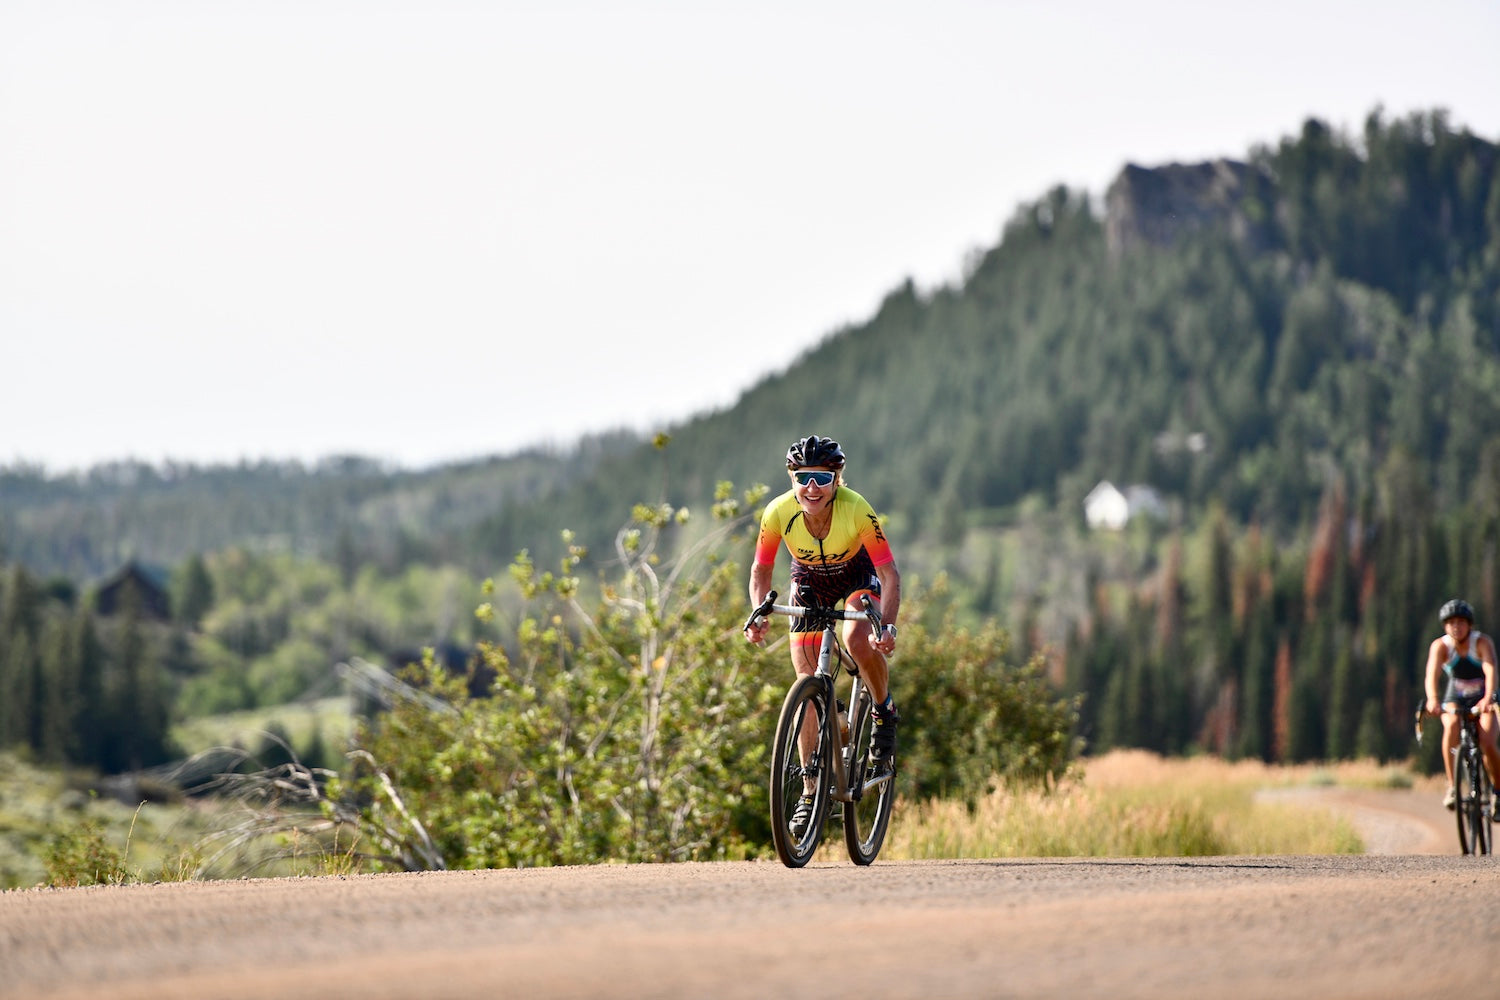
x,y
807,700
868,816
1473,824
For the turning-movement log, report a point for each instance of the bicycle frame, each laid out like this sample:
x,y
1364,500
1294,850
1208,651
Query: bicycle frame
x,y
1474,801
841,790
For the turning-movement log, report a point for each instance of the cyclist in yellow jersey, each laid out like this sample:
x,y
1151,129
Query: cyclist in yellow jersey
x,y
839,553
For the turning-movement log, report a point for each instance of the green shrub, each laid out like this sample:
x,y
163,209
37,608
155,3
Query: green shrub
x,y
634,732
80,856
970,716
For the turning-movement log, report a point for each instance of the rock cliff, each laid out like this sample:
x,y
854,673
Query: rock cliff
x,y
1159,206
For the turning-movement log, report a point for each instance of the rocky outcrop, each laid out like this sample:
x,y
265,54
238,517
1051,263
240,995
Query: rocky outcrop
x,y
1159,206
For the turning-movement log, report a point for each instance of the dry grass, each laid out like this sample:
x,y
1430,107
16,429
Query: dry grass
x,y
1137,804
1135,768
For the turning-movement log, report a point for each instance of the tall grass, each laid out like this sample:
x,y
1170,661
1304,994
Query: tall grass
x,y
54,830
1135,804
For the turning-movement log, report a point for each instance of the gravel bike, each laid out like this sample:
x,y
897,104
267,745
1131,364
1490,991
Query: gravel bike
x,y
1471,783
818,741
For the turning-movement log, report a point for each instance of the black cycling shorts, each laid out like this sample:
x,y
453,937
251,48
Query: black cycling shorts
x,y
1465,682
826,587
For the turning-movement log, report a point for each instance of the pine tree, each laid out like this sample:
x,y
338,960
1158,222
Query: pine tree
x,y
57,719
19,698
1345,702
139,723
1282,740
1369,741
20,666
193,592
91,715
1259,671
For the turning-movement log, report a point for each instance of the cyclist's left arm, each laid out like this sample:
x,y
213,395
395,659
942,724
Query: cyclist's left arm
x,y
1486,651
890,602
872,537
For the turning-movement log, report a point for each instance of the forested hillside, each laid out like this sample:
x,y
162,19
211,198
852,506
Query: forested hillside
x,y
1312,313
1299,351
350,509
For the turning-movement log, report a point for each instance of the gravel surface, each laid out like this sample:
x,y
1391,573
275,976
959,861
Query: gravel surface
x,y
1362,926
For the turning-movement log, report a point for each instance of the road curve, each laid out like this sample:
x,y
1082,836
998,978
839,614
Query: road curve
x,y
1366,926
1388,820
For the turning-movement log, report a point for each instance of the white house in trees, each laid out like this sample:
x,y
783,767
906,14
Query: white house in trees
x,y
1107,506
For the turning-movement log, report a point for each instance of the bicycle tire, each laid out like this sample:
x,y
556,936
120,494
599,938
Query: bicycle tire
x,y
809,694
1471,822
867,818
1486,815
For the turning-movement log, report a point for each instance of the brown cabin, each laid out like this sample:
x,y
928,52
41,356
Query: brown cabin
x,y
134,582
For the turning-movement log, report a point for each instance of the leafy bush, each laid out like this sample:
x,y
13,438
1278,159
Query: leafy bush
x,y
635,732
970,717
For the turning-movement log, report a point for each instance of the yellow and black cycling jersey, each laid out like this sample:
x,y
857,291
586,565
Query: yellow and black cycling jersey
x,y
854,529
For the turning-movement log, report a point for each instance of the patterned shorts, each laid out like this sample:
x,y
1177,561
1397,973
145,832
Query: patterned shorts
x,y
817,586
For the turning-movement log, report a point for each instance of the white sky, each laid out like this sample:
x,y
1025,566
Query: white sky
x,y
424,230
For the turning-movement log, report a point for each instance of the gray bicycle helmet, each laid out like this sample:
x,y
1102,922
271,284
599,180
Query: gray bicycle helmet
x,y
1456,608
814,450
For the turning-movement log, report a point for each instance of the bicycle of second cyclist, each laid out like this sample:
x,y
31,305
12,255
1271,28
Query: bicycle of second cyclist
x,y
819,747
1471,782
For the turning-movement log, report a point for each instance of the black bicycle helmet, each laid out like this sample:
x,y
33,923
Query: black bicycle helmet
x,y
814,450
1457,608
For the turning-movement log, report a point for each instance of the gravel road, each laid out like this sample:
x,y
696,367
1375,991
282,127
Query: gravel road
x,y
1389,820
1367,926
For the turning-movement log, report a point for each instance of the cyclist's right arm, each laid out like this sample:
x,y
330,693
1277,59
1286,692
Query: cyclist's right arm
x,y
762,565
1434,670
760,586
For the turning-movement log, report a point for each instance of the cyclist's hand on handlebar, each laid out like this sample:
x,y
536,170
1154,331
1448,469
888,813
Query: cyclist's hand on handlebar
x,y
886,643
755,625
755,631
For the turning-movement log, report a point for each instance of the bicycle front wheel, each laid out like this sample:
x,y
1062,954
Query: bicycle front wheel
x,y
1473,824
868,816
1486,813
802,755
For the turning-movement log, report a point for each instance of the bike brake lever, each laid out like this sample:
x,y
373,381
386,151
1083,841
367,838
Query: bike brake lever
x,y
874,617
760,613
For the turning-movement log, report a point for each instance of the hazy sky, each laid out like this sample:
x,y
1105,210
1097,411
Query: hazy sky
x,y
423,230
